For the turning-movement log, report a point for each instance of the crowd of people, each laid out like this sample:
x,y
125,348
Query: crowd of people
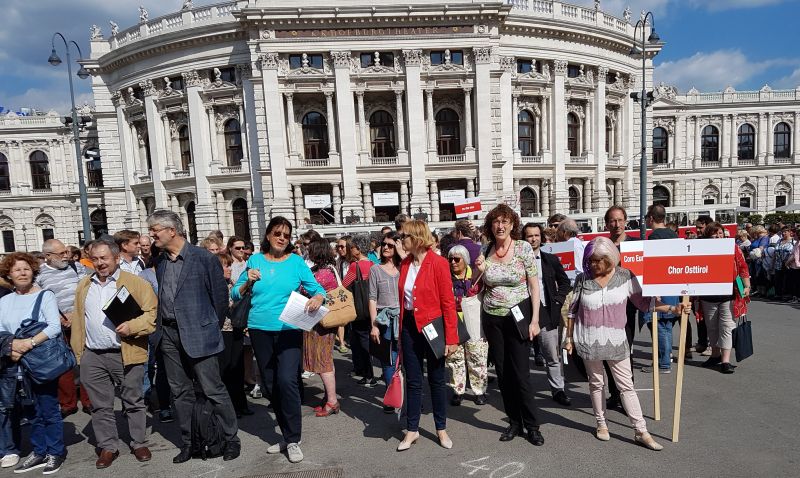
x,y
490,295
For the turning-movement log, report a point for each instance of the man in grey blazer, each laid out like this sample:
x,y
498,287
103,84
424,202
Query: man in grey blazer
x,y
192,299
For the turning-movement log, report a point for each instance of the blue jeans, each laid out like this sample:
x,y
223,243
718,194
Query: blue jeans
x,y
47,428
665,324
415,350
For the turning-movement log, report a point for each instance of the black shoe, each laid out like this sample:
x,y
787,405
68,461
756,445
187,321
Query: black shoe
x,y
456,400
165,416
32,462
481,399
539,361
363,381
388,410
562,398
373,382
535,437
232,451
510,433
726,368
712,362
68,411
184,455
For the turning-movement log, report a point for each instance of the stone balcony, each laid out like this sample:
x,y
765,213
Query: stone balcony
x,y
566,12
451,158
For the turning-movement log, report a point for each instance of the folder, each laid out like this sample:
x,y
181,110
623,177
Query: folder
x,y
434,335
122,307
383,350
740,286
521,314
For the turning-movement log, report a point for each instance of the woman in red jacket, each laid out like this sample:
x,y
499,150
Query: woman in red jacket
x,y
427,303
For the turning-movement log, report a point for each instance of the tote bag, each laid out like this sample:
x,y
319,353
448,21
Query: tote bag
x,y
341,307
743,339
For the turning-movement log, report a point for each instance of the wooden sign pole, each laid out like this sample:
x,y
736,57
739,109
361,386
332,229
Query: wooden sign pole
x,y
676,415
656,371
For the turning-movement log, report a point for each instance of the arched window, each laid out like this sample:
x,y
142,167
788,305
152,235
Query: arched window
x,y
40,171
381,132
241,219
46,225
192,222
448,132
5,176
528,203
783,191
526,133
747,142
99,223
783,137
609,133
709,145
574,199
747,195
573,130
185,147
315,136
7,228
661,196
233,142
660,146
710,195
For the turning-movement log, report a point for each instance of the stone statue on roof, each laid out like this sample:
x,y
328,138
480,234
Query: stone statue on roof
x,y
143,15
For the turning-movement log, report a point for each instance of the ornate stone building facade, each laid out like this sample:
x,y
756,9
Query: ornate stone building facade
x,y
343,116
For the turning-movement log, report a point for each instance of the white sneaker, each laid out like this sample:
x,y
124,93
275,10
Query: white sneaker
x,y
306,375
295,454
9,460
279,447
256,393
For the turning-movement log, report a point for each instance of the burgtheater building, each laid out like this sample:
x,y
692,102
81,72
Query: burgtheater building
x,y
340,117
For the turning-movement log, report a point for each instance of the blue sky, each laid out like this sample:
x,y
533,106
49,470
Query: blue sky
x,y
710,43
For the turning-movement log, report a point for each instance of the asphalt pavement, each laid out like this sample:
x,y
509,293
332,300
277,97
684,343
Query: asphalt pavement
x,y
739,425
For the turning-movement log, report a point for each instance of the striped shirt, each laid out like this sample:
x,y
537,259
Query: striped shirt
x,y
62,282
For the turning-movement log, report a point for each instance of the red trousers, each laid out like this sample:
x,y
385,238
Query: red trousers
x,y
67,390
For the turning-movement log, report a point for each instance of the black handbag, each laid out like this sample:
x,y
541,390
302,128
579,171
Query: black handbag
x,y
240,311
48,360
743,339
360,290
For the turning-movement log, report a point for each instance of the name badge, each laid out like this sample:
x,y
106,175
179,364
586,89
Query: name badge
x,y
518,316
430,332
123,294
564,356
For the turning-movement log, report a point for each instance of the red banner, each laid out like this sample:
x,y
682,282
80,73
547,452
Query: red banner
x,y
467,207
689,269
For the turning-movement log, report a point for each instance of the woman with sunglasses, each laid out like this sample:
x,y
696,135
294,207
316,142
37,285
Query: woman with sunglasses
x,y
471,356
273,275
427,295
384,304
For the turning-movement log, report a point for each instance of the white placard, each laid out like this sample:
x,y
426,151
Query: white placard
x,y
385,199
565,251
451,196
317,201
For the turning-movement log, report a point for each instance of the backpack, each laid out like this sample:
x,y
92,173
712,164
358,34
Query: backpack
x,y
207,438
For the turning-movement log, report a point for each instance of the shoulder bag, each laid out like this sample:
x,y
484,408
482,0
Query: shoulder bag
x,y
240,311
471,308
360,288
395,390
341,308
48,360
743,339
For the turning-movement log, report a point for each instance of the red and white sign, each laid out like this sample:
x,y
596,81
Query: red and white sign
x,y
631,257
565,251
688,267
467,207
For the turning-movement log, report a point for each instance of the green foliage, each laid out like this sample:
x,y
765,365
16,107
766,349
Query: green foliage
x,y
743,218
789,218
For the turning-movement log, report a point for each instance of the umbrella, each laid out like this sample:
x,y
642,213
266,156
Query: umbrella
x,y
789,207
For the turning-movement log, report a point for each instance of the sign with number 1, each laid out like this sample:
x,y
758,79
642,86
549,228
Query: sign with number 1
x,y
688,267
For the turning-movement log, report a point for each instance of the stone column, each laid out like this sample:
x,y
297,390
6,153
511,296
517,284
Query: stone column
x,y
545,198
560,151
796,137
290,123
434,187
761,143
201,128
483,110
213,135
515,122
404,199
337,202
698,153
734,149
618,191
299,207
345,111
276,146
138,152
167,141
222,213
468,117
545,122
431,122
155,136
470,188
331,117
362,122
369,210
588,195
770,139
537,149
618,142
416,130
600,200
399,121
589,123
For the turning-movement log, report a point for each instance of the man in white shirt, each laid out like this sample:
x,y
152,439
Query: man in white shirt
x,y
128,243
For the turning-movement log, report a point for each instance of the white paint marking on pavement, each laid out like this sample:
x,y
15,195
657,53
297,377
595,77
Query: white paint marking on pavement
x,y
506,470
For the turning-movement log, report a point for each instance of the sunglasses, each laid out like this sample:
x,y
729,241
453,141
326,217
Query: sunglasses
x,y
554,225
455,259
240,248
404,236
389,244
285,235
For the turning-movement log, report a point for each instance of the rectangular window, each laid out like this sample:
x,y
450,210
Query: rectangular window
x,y
744,202
47,234
573,71
780,201
176,82
366,60
708,201
312,61
524,66
442,57
8,241
228,74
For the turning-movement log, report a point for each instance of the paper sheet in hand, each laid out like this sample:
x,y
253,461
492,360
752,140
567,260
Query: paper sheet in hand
x,y
295,314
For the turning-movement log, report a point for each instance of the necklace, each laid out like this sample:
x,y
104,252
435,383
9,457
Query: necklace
x,y
497,251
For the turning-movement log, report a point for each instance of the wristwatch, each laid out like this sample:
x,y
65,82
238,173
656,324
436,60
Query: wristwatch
x,y
33,343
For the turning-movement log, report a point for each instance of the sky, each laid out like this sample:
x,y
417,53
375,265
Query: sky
x,y
710,44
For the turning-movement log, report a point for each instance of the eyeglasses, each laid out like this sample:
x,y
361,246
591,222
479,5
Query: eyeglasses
x,y
340,246
156,231
278,234
62,253
389,244
239,248
504,222
455,259
554,225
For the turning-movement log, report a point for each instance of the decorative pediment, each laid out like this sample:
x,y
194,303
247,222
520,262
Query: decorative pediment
x,y
663,90
576,109
168,91
619,84
584,78
666,123
217,82
224,113
530,104
535,75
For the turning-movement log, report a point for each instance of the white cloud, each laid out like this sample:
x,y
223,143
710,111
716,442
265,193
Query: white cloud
x,y
616,7
46,99
713,71
719,5
789,81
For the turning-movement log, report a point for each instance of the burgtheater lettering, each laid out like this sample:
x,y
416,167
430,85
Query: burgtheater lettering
x,y
373,32
687,270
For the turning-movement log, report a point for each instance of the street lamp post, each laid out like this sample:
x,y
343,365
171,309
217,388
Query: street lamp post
x,y
82,74
644,101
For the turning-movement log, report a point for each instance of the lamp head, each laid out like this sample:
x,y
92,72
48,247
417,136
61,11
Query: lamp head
x,y
54,59
653,38
635,52
83,73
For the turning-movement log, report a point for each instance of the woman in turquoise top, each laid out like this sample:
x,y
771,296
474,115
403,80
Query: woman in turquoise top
x,y
273,275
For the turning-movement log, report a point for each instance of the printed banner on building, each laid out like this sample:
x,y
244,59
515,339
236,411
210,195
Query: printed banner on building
x,y
467,207
317,201
565,251
450,196
385,199
695,267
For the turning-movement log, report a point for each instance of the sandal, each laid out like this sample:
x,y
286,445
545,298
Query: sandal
x,y
328,409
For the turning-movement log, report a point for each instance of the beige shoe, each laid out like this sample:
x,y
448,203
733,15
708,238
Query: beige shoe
x,y
602,434
408,440
444,440
647,441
